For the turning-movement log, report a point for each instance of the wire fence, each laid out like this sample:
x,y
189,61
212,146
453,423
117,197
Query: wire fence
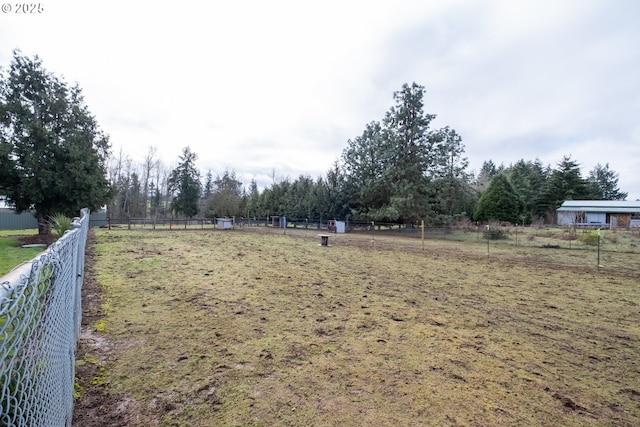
x,y
551,236
202,223
40,314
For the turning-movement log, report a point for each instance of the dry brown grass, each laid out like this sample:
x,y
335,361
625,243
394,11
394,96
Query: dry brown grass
x,y
237,328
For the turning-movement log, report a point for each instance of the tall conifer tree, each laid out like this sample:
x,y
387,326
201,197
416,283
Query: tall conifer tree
x,y
53,155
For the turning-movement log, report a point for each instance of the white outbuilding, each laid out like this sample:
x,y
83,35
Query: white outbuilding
x,y
599,213
224,223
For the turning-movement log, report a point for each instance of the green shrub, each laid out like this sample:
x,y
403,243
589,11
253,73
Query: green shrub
x,y
494,233
590,239
60,224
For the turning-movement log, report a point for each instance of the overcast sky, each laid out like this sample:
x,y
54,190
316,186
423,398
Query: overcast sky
x,y
263,86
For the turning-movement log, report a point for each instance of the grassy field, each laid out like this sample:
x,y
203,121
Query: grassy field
x,y
237,328
11,252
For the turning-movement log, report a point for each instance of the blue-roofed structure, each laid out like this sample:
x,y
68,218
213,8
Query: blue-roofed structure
x,y
602,213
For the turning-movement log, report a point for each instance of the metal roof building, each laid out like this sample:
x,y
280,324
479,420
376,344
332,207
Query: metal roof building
x,y
609,213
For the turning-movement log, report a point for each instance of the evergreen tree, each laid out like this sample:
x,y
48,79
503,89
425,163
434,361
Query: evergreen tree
x,y
564,183
364,167
529,179
265,203
409,155
452,184
400,170
337,198
135,199
227,197
208,185
321,194
280,194
207,196
155,198
604,182
9,173
486,174
253,199
53,154
301,203
500,202
184,183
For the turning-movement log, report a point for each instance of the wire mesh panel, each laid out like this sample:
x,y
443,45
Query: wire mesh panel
x,y
40,310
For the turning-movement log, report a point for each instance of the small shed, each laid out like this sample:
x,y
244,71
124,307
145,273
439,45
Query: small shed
x,y
279,221
337,226
224,223
605,213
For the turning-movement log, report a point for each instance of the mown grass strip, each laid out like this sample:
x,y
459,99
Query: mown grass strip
x,y
12,254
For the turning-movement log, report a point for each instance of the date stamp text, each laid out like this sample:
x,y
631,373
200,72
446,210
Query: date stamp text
x,y
22,8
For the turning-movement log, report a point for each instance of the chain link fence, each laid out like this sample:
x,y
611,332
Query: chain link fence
x,y
40,314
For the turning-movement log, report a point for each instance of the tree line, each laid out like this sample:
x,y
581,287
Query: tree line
x,y
54,158
151,189
527,191
401,170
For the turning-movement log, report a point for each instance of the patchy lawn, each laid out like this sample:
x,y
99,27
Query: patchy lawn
x,y
11,251
239,328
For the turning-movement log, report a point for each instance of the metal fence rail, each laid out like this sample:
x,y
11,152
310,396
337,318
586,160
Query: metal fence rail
x,y
40,314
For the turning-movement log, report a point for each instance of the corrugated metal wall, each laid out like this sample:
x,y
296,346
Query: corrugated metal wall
x,y
98,219
9,220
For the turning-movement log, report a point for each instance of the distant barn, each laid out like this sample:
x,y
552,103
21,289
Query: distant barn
x,y
600,213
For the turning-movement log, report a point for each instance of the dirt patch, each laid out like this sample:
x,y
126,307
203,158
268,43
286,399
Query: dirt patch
x,y
96,406
40,239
